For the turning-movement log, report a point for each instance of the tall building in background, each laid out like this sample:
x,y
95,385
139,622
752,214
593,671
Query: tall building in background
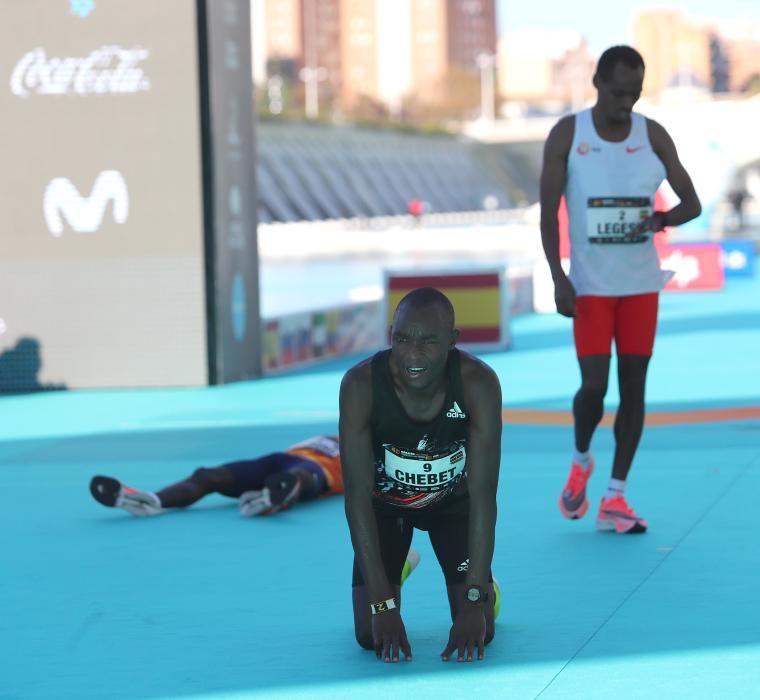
x,y
428,47
328,45
380,51
680,51
394,52
359,46
379,55
741,43
545,67
572,75
322,31
283,34
258,42
301,42
675,49
470,31
719,65
375,53
448,35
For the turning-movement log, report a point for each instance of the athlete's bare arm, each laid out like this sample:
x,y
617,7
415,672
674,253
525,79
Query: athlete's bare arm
x,y
689,207
358,474
354,429
552,187
482,394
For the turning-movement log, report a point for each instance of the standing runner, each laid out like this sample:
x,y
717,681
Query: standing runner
x,y
608,161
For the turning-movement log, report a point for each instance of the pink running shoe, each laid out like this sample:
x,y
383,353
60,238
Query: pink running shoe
x,y
615,514
573,503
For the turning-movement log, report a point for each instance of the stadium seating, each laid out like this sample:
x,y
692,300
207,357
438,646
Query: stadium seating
x,y
313,172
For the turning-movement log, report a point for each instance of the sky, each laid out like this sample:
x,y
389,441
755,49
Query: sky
x,y
608,22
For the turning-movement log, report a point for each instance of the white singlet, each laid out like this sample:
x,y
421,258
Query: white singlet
x,y
609,189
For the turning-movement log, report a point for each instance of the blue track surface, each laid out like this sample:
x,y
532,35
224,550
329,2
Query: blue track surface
x,y
205,604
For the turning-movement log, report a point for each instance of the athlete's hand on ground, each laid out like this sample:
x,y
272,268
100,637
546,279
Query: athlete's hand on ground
x,y
389,636
564,296
468,634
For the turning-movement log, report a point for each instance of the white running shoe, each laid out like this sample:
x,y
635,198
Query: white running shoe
x,y
112,493
255,503
281,490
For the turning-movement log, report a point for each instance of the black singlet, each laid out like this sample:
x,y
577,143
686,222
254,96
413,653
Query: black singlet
x,y
418,463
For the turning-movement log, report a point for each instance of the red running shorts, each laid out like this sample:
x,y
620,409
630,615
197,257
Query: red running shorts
x,y
630,320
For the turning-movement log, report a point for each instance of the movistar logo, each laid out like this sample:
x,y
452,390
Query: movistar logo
x,y
455,412
85,214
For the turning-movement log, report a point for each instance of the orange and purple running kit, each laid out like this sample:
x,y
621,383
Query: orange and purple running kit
x,y
324,450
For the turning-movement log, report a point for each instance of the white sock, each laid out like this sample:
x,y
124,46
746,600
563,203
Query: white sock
x,y
616,487
582,458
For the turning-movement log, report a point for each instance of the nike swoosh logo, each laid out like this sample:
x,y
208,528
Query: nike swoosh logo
x,y
619,514
629,149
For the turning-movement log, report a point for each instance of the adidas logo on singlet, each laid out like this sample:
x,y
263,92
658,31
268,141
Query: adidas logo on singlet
x,y
455,412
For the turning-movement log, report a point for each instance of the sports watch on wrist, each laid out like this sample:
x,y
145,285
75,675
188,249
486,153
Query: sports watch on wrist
x,y
475,594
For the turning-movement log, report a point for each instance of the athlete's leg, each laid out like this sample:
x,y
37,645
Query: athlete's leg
x,y
230,479
593,329
629,421
202,482
636,323
395,536
588,403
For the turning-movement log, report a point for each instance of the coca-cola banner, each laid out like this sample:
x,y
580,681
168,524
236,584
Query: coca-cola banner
x,y
102,277
106,70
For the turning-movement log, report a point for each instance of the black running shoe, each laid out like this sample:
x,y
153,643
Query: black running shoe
x,y
105,490
284,489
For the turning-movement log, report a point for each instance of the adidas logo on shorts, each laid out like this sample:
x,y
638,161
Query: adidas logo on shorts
x,y
455,412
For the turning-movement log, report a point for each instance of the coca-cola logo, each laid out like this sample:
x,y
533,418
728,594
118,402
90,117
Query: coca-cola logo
x,y
108,70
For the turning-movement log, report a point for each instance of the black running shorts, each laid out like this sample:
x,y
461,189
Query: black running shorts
x,y
447,524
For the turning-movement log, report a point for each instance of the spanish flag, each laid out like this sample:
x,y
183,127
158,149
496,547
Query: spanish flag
x,y
476,297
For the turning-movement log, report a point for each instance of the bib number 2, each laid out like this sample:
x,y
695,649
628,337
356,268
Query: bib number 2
x,y
615,219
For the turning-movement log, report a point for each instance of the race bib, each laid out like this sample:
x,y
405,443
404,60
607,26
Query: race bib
x,y
414,471
615,219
